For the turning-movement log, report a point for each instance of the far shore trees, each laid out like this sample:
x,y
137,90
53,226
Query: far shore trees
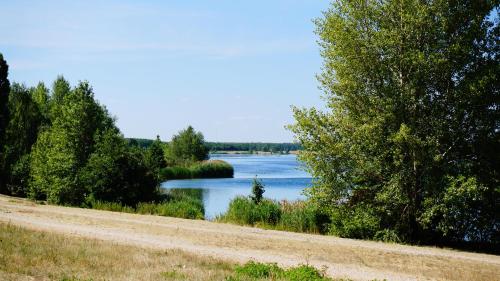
x,y
409,145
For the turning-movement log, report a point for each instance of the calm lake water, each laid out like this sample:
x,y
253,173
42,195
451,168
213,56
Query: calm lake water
x,y
281,174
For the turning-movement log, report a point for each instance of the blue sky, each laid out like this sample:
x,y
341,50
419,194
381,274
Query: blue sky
x,y
231,69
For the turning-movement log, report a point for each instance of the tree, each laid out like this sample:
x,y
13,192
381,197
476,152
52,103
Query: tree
x,y
257,190
40,95
61,151
22,132
155,156
117,173
412,95
186,147
60,89
4,114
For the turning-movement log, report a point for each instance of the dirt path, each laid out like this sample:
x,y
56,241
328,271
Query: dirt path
x,y
359,260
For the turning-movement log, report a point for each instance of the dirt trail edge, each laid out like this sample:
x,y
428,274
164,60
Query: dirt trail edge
x,y
358,260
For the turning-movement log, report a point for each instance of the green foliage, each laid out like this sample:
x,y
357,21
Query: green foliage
x,y
302,216
271,271
63,150
257,190
259,270
211,169
175,172
204,169
359,222
22,131
465,209
179,203
387,235
116,173
60,89
4,115
298,216
411,90
186,147
244,211
154,156
252,146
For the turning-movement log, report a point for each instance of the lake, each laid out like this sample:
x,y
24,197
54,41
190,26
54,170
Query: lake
x,y
281,175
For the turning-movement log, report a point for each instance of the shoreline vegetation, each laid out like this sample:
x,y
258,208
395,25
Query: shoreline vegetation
x,y
198,170
265,148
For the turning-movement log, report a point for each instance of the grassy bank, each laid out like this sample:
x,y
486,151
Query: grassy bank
x,y
27,254
204,169
298,216
185,203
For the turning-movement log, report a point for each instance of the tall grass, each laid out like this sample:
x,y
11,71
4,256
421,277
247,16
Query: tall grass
x,y
298,216
243,210
204,169
176,203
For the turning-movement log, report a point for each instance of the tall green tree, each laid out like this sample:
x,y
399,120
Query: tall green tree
x,y
60,89
40,95
186,147
61,151
22,132
155,156
4,114
409,143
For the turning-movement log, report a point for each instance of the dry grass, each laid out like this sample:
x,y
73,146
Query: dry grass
x,y
27,255
360,260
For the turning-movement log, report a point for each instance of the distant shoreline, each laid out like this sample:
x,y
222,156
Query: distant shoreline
x,y
295,152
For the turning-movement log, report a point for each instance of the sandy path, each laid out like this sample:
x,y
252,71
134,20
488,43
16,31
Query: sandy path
x,y
359,260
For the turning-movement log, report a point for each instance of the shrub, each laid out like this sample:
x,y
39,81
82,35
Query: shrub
x,y
182,204
304,273
257,190
387,235
359,222
111,206
302,216
271,271
259,270
243,210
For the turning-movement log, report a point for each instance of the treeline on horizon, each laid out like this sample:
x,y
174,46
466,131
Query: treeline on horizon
x,y
234,146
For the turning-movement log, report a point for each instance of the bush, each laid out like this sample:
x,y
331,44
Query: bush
x,y
181,204
257,190
244,211
302,216
111,206
359,222
188,209
259,270
387,235
272,271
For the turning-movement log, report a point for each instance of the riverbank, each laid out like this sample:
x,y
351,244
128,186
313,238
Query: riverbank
x,y
358,260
